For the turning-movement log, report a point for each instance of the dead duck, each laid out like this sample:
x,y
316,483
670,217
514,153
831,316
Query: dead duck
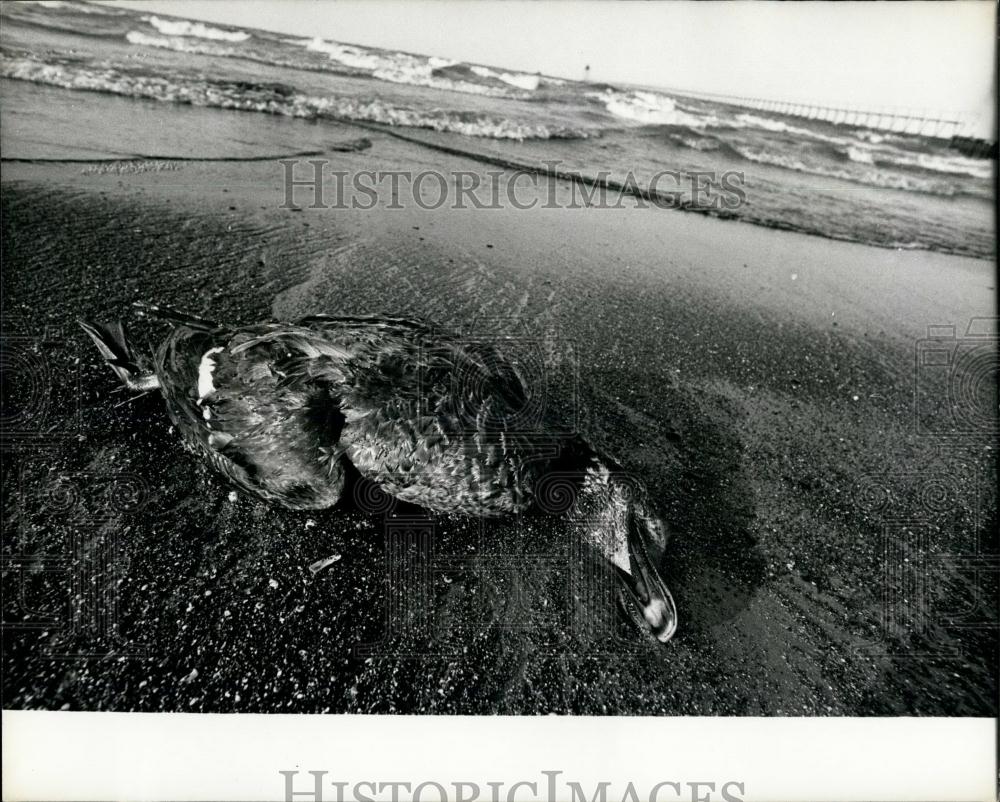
x,y
280,409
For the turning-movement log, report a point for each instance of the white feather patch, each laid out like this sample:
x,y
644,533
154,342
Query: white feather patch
x,y
205,369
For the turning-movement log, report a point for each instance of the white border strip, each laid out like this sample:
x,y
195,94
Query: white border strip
x,y
139,756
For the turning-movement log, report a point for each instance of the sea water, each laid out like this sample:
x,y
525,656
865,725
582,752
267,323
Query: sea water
x,y
840,181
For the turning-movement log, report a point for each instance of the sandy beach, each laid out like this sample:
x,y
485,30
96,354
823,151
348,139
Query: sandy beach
x,y
760,382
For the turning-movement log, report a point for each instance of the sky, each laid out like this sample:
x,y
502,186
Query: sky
x,y
926,56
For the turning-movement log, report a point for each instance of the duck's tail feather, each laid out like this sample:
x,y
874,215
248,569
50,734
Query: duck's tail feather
x,y
175,316
110,341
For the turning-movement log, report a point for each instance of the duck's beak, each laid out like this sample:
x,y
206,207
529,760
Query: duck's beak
x,y
644,592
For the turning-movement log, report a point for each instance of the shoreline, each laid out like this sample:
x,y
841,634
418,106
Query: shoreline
x,y
795,273
660,200
883,217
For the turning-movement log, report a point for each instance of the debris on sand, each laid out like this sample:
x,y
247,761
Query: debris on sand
x,y
319,565
352,146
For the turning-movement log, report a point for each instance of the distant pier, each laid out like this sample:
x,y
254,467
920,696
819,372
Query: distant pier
x,y
951,126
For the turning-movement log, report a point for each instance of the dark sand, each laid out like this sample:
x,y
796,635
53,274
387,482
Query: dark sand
x,y
760,382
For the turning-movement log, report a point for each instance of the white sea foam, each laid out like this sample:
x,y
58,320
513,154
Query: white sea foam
x,y
646,108
199,92
948,164
870,136
521,80
863,147
860,154
396,67
178,43
938,163
348,55
780,126
197,29
85,8
404,68
873,177
764,122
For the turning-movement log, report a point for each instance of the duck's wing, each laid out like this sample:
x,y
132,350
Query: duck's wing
x,y
396,359
434,419
264,421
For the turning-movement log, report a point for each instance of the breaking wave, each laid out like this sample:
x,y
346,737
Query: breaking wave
x,y
929,162
180,27
857,153
82,8
178,43
519,79
274,99
646,108
430,71
871,177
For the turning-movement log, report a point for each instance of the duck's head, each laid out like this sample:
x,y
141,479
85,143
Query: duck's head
x,y
628,533
643,592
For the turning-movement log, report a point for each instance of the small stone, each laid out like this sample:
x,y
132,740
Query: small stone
x,y
319,565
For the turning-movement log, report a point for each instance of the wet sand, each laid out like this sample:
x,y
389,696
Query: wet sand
x,y
760,382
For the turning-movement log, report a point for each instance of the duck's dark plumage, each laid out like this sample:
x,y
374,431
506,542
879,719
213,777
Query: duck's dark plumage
x,y
282,408
412,409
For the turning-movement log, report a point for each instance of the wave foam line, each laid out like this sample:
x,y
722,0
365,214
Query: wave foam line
x,y
429,71
664,200
273,99
183,27
178,43
873,177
